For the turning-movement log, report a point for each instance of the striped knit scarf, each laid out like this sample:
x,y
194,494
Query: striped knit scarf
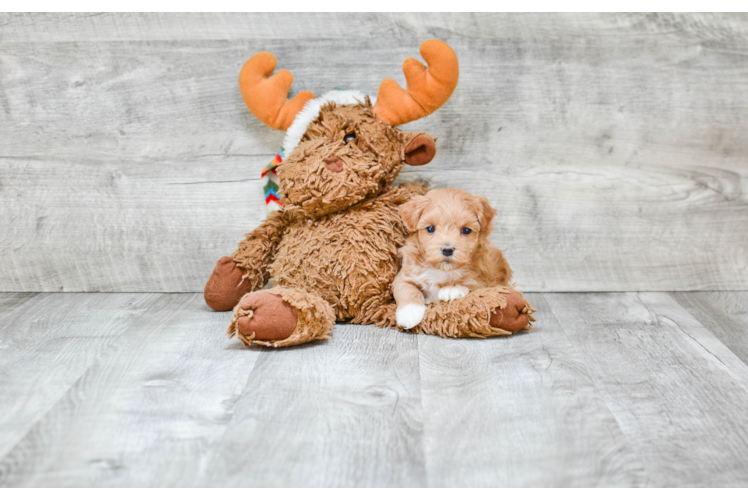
x,y
270,182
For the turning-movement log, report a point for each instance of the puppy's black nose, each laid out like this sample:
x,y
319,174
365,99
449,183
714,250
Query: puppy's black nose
x,y
447,250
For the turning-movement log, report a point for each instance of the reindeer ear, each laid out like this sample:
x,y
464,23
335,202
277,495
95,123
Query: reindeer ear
x,y
485,212
411,212
420,149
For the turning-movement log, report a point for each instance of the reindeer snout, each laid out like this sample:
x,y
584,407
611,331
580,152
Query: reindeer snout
x,y
334,164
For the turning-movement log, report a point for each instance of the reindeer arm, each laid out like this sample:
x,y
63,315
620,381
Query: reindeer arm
x,y
257,251
404,193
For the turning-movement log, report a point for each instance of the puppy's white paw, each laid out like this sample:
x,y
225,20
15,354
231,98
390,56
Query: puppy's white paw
x,y
459,292
449,293
410,315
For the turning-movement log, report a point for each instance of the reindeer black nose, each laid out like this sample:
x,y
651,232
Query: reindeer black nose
x,y
334,164
447,250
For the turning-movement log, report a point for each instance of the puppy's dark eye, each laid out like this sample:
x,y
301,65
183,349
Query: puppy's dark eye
x,y
349,137
430,229
466,230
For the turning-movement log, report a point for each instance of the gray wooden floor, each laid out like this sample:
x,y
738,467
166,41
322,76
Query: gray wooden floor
x,y
611,389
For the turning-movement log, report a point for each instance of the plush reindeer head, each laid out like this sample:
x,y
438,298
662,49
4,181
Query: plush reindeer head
x,y
340,149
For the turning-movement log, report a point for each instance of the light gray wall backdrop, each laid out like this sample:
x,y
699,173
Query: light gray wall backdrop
x,y
615,146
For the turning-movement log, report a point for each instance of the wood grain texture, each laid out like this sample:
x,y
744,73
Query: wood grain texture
x,y
66,27
679,395
145,411
563,25
725,314
612,144
519,411
343,412
124,226
107,26
11,303
47,342
146,390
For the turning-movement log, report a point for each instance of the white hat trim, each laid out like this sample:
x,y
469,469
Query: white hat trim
x,y
310,112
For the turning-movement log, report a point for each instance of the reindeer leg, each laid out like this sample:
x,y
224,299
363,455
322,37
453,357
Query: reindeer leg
x,y
281,317
487,312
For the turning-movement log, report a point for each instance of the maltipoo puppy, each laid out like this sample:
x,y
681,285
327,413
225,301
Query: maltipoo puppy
x,y
447,253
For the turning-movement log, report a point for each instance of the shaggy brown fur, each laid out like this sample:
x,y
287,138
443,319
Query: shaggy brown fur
x,y
488,312
482,313
256,252
332,251
312,318
370,162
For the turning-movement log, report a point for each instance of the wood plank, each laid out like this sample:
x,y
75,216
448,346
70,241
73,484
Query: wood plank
x,y
604,149
559,25
725,314
47,342
105,26
108,26
568,103
149,100
126,225
146,411
679,395
519,411
10,303
343,412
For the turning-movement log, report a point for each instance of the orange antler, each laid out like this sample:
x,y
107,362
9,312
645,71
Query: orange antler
x,y
267,98
428,88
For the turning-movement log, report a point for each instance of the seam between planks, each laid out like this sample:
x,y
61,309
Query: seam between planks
x,y
599,394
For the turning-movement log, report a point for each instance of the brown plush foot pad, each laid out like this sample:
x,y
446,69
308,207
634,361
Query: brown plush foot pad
x,y
281,317
225,287
515,316
272,317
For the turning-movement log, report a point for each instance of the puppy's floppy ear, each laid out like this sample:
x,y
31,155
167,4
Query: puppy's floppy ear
x,y
485,213
411,212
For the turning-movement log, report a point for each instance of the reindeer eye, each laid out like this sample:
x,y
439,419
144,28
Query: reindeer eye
x,y
466,230
430,229
349,137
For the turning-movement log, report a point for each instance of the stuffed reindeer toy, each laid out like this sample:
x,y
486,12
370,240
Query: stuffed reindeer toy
x,y
331,247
